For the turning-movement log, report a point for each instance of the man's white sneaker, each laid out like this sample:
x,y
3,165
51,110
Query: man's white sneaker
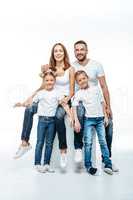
x,y
22,150
78,156
63,160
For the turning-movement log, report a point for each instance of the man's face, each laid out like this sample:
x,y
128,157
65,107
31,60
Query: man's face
x,y
80,51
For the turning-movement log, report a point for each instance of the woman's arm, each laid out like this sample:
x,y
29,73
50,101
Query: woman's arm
x,y
72,85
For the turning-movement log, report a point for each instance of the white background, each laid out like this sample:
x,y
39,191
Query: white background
x,y
29,29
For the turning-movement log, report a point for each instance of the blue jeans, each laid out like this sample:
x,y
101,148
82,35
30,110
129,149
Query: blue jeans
x,y
78,137
60,127
28,121
98,124
45,131
109,135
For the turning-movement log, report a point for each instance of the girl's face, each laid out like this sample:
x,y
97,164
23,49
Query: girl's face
x,y
58,53
49,82
82,81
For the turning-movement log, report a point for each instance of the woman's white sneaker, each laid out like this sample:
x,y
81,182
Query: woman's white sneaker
x,y
78,156
63,160
22,150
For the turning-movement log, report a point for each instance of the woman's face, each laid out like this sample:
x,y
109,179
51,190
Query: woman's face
x,y
49,82
58,53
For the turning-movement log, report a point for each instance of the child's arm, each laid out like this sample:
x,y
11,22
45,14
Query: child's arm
x,y
77,125
29,100
69,113
75,102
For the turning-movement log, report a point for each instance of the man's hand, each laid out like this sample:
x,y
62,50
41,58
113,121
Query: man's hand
x,y
109,112
106,121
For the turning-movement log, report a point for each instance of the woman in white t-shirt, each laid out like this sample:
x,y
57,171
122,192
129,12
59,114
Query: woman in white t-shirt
x,y
60,65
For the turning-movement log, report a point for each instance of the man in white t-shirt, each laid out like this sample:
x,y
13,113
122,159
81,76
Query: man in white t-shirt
x,y
96,75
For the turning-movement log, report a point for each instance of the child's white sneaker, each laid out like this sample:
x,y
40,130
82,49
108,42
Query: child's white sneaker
x,y
38,168
108,170
114,168
63,160
22,150
47,168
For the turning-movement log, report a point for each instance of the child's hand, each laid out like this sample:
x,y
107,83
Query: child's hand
x,y
18,105
77,126
28,102
106,121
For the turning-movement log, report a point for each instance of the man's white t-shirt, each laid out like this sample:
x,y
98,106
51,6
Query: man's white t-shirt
x,y
93,69
92,101
47,102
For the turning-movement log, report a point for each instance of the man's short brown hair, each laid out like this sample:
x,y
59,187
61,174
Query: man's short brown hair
x,y
81,42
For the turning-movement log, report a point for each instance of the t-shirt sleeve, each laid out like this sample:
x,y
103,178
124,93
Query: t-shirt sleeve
x,y
76,99
36,98
100,70
59,95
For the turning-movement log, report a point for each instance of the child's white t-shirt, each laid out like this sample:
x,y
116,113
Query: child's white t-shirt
x,y
92,101
47,102
93,69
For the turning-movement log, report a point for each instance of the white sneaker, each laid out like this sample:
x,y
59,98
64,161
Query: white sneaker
x,y
38,168
63,160
47,168
114,168
78,156
22,150
108,170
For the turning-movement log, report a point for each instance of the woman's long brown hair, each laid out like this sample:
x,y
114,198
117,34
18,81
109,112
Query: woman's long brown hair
x,y
52,61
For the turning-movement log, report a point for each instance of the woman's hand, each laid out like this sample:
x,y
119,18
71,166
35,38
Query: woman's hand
x,y
44,68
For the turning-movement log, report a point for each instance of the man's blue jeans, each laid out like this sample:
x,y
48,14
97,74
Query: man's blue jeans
x,y
109,135
98,124
45,132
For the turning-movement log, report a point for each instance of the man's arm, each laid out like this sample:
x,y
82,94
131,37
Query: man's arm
x,y
104,87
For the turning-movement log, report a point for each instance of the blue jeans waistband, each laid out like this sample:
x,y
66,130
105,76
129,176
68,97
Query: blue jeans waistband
x,y
46,117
